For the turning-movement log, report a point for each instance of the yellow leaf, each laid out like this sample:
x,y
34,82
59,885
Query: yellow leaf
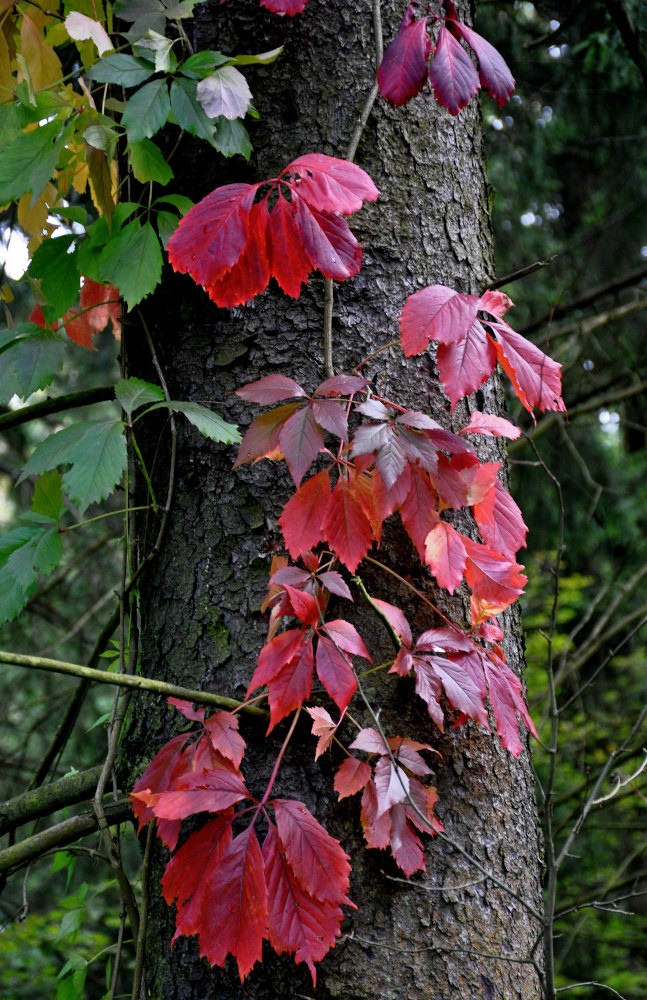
x,y
7,79
43,64
103,180
33,218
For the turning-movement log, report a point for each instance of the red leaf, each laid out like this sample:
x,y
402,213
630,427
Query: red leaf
x,y
316,858
98,304
495,582
193,873
406,846
270,389
251,273
211,237
303,518
300,439
332,185
406,754
487,423
331,415
305,606
396,619
261,439
536,378
480,477
506,698
445,555
187,709
377,829
444,640
289,263
328,242
298,923
222,728
335,673
391,784
436,313
234,920
493,70
452,73
500,522
341,385
282,7
286,667
157,777
347,638
496,303
403,70
351,777
346,526
465,365
205,791
323,727
419,511
275,654
335,583
462,679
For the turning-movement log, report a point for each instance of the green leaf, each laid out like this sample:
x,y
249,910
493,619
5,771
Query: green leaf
x,y
263,57
29,161
232,138
102,137
162,48
132,261
208,423
201,64
96,453
48,496
188,111
146,111
166,223
25,553
126,70
134,392
75,213
58,272
178,200
30,362
148,164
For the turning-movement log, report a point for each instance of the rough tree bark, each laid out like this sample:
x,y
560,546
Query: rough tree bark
x,y
455,932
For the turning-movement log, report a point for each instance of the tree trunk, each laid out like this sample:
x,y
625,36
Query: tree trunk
x,y
454,931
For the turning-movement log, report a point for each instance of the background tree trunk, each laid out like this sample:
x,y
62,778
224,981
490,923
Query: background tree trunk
x,y
455,932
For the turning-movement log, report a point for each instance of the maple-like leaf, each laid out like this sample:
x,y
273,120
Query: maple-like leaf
x,y
231,246
158,777
403,70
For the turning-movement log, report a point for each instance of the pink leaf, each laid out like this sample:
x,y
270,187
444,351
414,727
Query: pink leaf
x,y
335,673
222,728
283,7
452,73
500,522
487,423
493,70
403,70
300,439
436,313
396,620
323,727
391,783
464,366
536,378
328,242
270,389
332,185
445,555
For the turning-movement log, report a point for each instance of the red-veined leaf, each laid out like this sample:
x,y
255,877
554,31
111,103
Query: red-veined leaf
x,y
500,522
323,727
332,185
403,70
192,875
346,526
536,378
251,273
335,673
436,313
493,70
316,858
298,923
328,242
304,515
488,423
205,791
261,439
419,511
270,389
300,439
234,920
464,366
396,619
452,73
461,676
445,555
289,263
352,774
222,728
211,237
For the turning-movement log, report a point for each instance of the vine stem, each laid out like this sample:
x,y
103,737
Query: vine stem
x,y
130,681
351,150
277,763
